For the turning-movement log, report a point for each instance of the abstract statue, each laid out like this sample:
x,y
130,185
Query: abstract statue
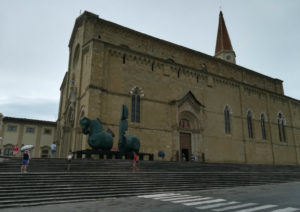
x,y
98,138
127,143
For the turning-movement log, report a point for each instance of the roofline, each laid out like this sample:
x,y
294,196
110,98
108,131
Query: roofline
x,y
78,21
92,15
25,120
64,81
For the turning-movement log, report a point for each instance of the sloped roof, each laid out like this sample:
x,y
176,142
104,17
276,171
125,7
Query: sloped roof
x,y
223,41
29,121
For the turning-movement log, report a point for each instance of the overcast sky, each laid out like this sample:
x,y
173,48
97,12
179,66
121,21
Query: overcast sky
x,y
34,36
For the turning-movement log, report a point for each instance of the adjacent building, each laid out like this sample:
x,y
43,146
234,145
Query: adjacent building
x,y
181,101
21,131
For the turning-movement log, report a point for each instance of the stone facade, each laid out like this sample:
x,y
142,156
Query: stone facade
x,y
182,98
19,131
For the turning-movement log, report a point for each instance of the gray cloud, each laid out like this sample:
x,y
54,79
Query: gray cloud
x,y
41,109
35,34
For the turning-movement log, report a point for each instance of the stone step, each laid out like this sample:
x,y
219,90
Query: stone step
x,y
20,200
75,181
47,181
79,198
54,187
21,185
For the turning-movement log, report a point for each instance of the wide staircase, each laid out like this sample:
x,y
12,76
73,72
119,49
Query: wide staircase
x,y
48,182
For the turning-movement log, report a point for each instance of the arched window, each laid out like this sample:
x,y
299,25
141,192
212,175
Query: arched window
x,y
184,124
249,122
227,119
136,94
281,129
263,126
135,108
76,55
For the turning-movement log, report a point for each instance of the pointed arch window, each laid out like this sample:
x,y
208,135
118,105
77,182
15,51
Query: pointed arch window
x,y
249,122
263,126
136,94
76,55
135,108
227,120
281,127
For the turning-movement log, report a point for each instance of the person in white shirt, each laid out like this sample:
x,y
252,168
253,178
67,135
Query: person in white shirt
x,y
69,159
53,147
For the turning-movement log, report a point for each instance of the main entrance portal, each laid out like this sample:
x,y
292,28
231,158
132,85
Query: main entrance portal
x,y
185,146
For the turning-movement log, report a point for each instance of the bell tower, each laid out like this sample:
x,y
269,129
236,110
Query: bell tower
x,y
224,49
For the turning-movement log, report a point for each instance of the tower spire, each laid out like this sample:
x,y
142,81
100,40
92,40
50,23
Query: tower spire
x,y
224,48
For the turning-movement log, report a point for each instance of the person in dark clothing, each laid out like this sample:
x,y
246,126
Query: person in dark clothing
x,y
25,161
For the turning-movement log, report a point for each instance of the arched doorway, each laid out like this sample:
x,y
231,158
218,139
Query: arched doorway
x,y
188,133
185,146
187,136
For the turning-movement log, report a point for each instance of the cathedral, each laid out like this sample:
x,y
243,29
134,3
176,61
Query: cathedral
x,y
180,101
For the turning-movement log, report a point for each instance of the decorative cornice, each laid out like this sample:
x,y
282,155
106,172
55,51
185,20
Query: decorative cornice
x,y
251,90
142,58
277,98
202,73
224,81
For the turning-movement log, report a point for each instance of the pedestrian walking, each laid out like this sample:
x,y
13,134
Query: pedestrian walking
x,y
25,161
53,149
135,161
183,157
15,150
69,160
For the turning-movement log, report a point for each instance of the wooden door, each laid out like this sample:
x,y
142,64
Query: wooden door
x,y
185,146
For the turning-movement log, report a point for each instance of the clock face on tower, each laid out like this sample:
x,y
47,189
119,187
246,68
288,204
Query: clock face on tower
x,y
228,57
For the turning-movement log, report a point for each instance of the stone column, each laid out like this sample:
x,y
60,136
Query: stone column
x,y
242,122
270,128
20,138
293,133
38,142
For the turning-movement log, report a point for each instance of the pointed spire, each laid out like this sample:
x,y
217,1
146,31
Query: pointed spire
x,y
224,48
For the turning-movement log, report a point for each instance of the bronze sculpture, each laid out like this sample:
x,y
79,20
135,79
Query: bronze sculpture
x,y
127,143
98,138
103,140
